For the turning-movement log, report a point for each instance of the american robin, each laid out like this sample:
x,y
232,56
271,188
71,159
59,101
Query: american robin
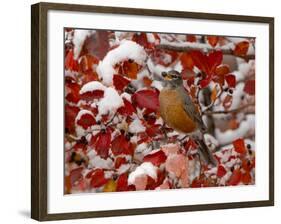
x,y
179,112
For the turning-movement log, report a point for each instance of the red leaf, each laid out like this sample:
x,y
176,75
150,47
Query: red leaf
x,y
221,171
121,145
69,62
153,130
214,60
246,178
119,161
129,69
191,38
239,146
91,95
141,39
156,158
122,183
98,178
96,44
120,82
102,143
190,145
86,120
207,64
86,63
75,175
231,80
250,87
241,49
235,178
213,40
128,108
70,115
186,61
146,99
72,92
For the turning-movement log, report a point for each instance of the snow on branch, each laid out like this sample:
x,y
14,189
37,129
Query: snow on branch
x,y
183,47
126,50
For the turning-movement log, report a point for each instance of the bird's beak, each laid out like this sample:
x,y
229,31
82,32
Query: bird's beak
x,y
166,76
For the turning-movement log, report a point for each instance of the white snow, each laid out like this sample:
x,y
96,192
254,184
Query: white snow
x,y
126,50
79,37
95,161
145,168
136,126
228,136
92,86
123,168
157,84
110,102
150,37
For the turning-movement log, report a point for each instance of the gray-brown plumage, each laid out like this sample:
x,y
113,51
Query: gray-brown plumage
x,y
179,112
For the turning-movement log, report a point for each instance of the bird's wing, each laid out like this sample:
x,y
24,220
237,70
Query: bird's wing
x,y
190,108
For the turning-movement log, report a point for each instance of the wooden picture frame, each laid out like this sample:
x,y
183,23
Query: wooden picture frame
x,y
39,108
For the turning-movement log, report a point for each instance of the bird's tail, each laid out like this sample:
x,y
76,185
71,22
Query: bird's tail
x,y
205,153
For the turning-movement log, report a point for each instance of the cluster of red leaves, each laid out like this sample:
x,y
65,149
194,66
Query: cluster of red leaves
x,y
118,147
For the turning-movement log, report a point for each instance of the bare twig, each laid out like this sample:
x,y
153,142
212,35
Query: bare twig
x,y
228,111
225,51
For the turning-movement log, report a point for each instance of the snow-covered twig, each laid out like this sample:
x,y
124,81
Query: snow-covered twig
x,y
229,111
203,48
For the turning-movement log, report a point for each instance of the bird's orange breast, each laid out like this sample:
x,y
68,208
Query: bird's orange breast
x,y
173,113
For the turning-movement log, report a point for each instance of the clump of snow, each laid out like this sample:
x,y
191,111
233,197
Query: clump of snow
x,y
110,102
79,37
145,168
136,126
92,86
126,50
157,84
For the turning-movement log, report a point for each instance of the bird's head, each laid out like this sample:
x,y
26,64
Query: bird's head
x,y
173,78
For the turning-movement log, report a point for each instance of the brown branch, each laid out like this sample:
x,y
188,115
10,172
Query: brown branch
x,y
192,48
228,111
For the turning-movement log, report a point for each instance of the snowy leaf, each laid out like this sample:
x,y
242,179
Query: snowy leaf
x,y
86,120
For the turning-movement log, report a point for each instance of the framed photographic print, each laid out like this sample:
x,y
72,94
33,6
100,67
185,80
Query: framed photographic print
x,y
139,111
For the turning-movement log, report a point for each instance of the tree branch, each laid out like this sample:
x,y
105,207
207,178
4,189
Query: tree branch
x,y
228,111
201,47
